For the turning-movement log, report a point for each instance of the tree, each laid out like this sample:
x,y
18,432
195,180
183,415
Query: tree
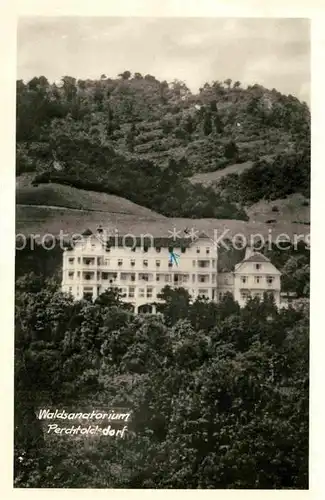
x,y
228,82
231,150
125,75
176,304
130,138
207,125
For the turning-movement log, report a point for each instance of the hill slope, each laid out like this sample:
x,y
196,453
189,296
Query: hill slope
x,y
141,139
56,195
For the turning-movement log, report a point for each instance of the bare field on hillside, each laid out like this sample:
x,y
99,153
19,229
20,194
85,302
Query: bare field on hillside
x,y
209,177
43,220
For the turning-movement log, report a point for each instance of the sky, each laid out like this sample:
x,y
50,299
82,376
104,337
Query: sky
x,y
273,52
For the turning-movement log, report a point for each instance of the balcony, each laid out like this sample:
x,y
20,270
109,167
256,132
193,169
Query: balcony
x,y
88,261
108,277
144,277
203,278
180,279
203,264
127,277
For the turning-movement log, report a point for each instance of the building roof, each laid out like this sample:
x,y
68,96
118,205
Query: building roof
x,y
203,235
107,238
257,257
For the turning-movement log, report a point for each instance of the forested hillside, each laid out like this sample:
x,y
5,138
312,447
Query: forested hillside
x,y
138,137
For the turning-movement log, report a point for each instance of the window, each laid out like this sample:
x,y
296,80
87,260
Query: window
x,y
207,250
167,278
183,249
204,293
144,277
87,276
193,263
244,279
158,249
71,260
220,295
89,261
78,274
132,262
141,292
149,293
245,294
203,279
257,266
106,262
158,263
99,261
269,280
145,263
131,292
197,250
157,277
213,278
145,249
105,276
133,249
132,277
78,260
257,279
71,274
120,262
70,289
213,262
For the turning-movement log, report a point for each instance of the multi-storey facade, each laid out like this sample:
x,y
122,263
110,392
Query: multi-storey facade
x,y
141,272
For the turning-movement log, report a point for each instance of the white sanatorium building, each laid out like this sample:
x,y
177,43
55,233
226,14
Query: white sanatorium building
x,y
95,264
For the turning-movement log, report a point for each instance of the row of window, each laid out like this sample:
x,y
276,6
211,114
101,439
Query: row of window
x,y
258,279
106,262
148,293
182,278
166,278
245,294
170,249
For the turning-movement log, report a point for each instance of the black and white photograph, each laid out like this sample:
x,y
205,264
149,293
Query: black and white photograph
x,y
162,260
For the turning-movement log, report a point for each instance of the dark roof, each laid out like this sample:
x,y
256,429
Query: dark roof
x,y
87,232
257,257
129,241
203,235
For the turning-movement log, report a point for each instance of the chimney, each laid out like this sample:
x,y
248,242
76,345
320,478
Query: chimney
x,y
248,252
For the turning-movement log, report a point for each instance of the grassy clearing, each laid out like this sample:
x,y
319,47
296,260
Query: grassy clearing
x,y
209,177
73,198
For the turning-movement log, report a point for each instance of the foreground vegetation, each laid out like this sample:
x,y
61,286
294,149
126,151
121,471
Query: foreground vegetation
x,y
219,395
